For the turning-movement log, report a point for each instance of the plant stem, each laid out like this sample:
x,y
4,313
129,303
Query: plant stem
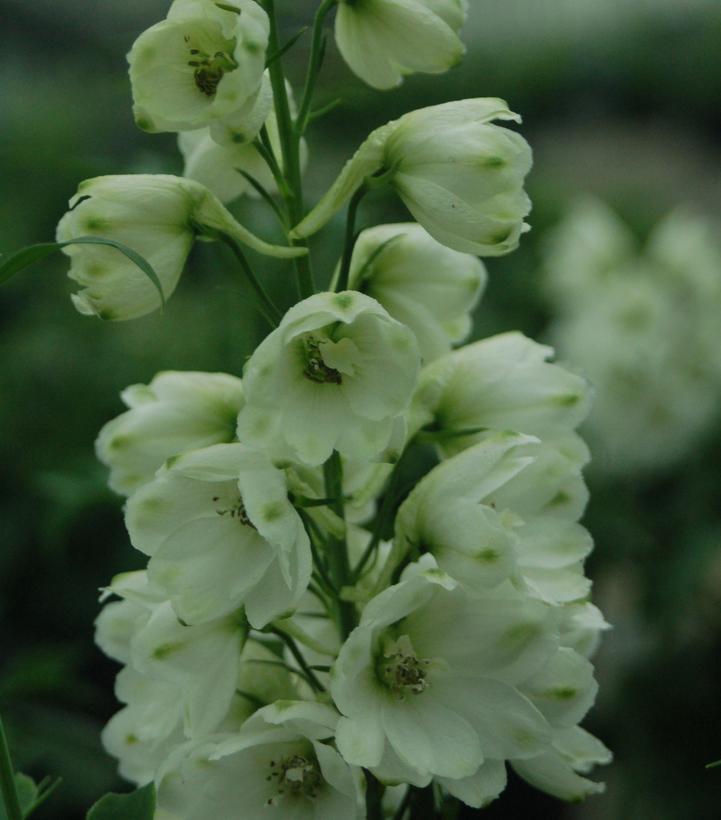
x,y
270,311
384,514
350,238
310,675
337,547
422,803
7,779
290,148
316,51
374,797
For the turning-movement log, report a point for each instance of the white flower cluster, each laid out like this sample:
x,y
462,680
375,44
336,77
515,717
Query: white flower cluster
x,y
644,325
310,630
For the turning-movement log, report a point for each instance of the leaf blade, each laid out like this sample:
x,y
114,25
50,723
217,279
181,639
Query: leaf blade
x,y
12,263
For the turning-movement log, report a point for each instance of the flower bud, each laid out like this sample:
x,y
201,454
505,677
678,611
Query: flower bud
x,y
381,40
460,175
204,62
427,286
156,215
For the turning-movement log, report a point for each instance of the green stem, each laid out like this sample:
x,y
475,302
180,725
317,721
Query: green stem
x,y
337,550
316,51
310,675
385,513
7,779
350,238
374,798
290,149
422,803
270,311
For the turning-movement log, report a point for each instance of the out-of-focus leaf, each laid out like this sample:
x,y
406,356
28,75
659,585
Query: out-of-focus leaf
x,y
137,805
27,793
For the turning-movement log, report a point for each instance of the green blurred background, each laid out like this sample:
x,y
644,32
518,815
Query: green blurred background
x,y
621,98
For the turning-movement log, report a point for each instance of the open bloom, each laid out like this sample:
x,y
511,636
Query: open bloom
x,y
427,286
458,173
222,534
429,680
175,413
281,761
381,40
336,374
204,62
155,215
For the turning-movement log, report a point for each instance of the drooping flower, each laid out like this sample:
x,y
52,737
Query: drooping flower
x,y
282,760
336,374
222,535
174,413
203,63
501,383
427,286
459,174
430,678
381,40
155,215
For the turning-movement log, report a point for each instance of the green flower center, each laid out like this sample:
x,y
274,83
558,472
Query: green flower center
x,y
315,367
401,670
210,70
296,775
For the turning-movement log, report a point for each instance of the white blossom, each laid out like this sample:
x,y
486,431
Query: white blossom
x,y
336,374
430,677
458,173
222,535
202,63
155,215
282,759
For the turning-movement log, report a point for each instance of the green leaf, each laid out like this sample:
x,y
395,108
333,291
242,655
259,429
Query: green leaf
x,y
12,263
27,793
137,805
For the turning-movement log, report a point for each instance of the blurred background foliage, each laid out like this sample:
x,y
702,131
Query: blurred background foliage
x,y
620,98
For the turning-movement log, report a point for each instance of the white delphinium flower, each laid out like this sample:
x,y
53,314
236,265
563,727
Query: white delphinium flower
x,y
151,723
504,382
156,215
429,679
336,374
174,413
282,760
459,174
420,282
200,664
222,534
203,63
484,520
381,40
